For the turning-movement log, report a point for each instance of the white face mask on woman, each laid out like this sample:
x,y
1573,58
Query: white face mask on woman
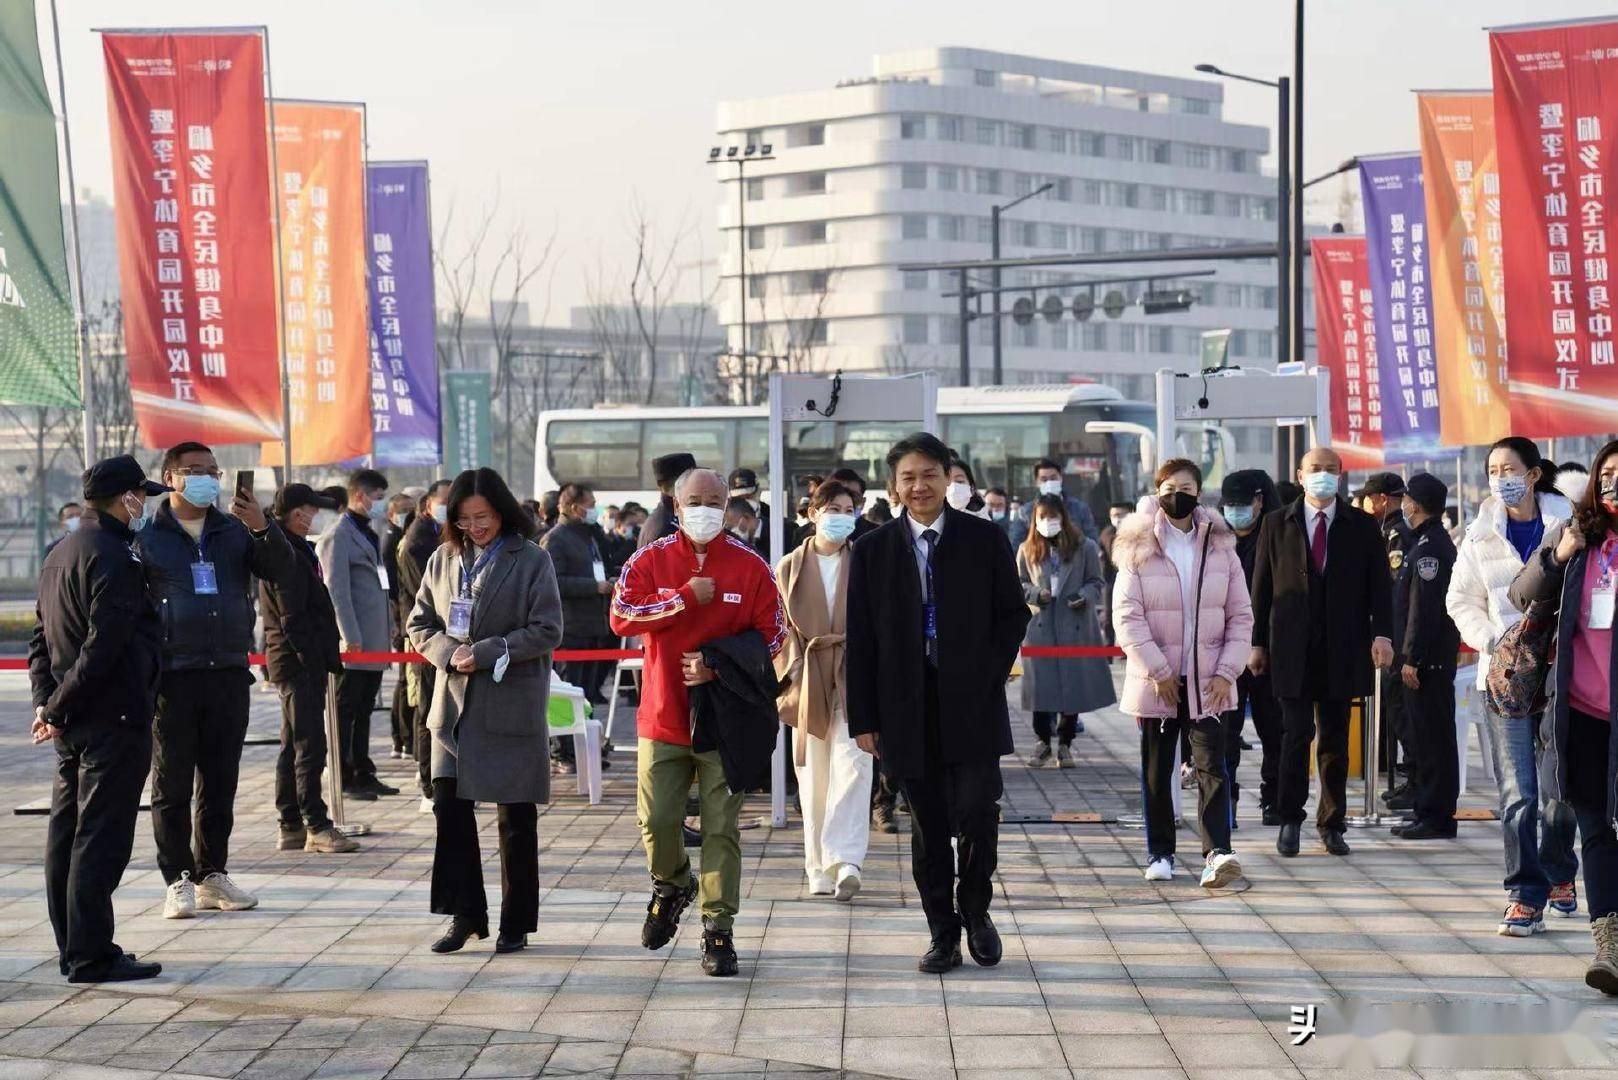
x,y
958,494
1050,528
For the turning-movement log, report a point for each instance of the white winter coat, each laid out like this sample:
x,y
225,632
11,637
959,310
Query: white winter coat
x,y
1485,565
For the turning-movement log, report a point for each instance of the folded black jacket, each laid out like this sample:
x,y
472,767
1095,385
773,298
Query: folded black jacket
x,y
736,713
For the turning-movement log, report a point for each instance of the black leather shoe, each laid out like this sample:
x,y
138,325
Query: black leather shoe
x,y
124,969
692,837
459,930
941,957
379,788
1335,844
1401,798
663,913
510,943
362,794
1272,816
1401,825
983,940
719,953
1286,841
1426,830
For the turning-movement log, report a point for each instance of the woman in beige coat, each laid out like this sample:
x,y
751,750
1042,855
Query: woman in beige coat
x,y
834,774
487,617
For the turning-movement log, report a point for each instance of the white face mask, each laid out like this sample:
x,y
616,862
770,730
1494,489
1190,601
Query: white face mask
x,y
701,523
1049,527
958,494
1050,487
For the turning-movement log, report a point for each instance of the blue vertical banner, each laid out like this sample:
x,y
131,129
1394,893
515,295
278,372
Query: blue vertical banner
x,y
404,352
1396,242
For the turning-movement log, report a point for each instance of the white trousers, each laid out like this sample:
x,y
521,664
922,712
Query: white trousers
x,y
834,786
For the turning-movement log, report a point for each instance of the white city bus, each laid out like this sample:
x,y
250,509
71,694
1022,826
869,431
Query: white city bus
x,y
1099,438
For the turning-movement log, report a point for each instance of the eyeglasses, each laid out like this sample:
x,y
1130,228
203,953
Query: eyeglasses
x,y
481,521
198,470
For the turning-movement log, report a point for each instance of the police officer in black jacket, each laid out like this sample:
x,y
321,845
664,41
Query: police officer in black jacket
x,y
301,647
1428,642
93,665
200,566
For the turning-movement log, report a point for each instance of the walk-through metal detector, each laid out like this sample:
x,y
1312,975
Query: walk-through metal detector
x,y
800,399
1236,394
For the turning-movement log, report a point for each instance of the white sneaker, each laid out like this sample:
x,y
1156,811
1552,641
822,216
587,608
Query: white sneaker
x,y
1220,869
219,893
820,884
180,901
426,806
848,882
1160,868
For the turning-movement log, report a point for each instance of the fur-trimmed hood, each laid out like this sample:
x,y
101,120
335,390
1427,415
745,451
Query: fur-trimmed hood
x,y
1138,535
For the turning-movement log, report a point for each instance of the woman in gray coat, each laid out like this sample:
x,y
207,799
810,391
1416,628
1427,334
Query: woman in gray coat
x,y
487,617
1062,583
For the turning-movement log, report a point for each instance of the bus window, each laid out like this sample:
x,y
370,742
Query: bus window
x,y
711,442
1001,450
602,453
753,449
865,450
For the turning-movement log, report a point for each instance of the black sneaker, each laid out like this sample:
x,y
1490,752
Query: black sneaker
x,y
718,953
663,913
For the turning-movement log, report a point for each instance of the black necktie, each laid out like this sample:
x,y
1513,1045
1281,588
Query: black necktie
x,y
930,538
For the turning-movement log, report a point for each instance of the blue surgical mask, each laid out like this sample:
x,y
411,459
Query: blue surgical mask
x,y
1239,517
1320,485
592,515
139,521
1404,517
1510,490
379,509
836,527
441,513
201,491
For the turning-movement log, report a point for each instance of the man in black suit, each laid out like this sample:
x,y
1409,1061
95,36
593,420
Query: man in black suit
x,y
1322,617
935,619
661,521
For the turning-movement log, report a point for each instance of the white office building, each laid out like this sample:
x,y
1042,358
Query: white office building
x,y
903,167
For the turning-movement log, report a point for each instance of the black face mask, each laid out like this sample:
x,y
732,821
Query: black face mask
x,y
1177,504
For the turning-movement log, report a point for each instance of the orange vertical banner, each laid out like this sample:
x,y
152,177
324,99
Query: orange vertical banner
x,y
320,185
1461,176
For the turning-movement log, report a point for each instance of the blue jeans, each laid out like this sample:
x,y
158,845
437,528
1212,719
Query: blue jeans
x,y
1536,857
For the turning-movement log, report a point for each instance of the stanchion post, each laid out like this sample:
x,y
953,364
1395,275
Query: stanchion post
x,y
1373,737
334,765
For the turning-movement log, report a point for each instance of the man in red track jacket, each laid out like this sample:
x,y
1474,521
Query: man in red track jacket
x,y
678,594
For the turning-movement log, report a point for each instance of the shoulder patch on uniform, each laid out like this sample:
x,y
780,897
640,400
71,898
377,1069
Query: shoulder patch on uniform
x,y
1427,568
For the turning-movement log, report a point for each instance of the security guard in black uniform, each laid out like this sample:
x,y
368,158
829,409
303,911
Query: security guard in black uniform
x,y
1380,498
1428,643
93,664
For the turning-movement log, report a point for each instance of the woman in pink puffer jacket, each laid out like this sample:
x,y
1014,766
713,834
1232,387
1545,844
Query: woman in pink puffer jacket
x,y
1180,581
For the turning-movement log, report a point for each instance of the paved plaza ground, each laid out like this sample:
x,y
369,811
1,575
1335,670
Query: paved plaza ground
x,y
1104,975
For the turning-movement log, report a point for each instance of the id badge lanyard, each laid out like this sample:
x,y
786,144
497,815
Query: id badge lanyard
x,y
204,581
1602,596
460,609
929,605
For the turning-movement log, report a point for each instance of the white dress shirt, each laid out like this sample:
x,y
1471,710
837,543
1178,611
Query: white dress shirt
x,y
916,529
1310,513
1181,549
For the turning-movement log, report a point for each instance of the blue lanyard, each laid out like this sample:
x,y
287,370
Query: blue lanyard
x,y
927,597
469,576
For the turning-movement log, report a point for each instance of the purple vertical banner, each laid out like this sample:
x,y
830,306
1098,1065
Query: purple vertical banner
x,y
1401,296
404,351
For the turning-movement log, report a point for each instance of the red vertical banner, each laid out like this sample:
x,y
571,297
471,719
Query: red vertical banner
x,y
1556,115
1345,337
196,254
320,182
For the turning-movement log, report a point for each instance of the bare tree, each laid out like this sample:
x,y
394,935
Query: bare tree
x,y
113,407
459,273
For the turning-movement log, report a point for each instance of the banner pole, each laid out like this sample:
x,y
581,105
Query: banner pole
x,y
86,390
280,277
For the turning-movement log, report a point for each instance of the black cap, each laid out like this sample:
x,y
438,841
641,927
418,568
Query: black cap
x,y
1242,486
116,475
292,496
667,469
1429,492
741,479
1382,483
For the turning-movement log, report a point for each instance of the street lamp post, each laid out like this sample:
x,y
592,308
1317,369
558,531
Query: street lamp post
x,y
732,155
994,282
1283,201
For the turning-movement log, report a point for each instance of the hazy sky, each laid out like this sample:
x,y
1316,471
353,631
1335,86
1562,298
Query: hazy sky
x,y
574,112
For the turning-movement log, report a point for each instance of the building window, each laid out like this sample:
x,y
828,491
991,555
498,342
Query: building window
x,y
987,181
1090,192
755,189
1157,152
807,135
1021,184
1233,206
987,133
912,127
1128,337
985,332
913,177
1127,195
1027,233
1059,335
1159,198
809,232
1056,140
808,331
755,238
1092,144
1198,157
985,78
754,137
949,330
915,329
1092,240
915,280
1240,161
1095,336
1063,191
1058,235
1022,136
755,287
949,227
808,282
1161,338
1028,335
1261,209
985,230
1125,146
1199,106
949,128
913,226
949,179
